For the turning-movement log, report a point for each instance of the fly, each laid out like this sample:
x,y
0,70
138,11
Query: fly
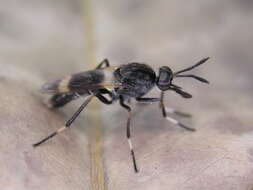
x,y
122,83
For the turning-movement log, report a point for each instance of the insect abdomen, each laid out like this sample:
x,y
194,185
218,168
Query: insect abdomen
x,y
59,100
79,83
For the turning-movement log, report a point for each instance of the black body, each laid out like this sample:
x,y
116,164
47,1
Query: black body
x,y
136,79
133,80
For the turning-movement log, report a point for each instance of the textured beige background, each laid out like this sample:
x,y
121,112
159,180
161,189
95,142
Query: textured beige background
x,y
43,40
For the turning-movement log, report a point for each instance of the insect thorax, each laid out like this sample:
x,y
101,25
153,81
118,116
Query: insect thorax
x,y
137,79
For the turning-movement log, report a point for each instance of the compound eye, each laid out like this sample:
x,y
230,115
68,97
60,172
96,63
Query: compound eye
x,y
165,77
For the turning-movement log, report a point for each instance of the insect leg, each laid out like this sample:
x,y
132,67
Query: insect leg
x,y
178,90
104,62
170,119
104,99
176,112
147,100
168,110
128,133
68,123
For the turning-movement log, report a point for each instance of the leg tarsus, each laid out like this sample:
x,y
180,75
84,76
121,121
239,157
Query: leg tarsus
x,y
45,139
186,127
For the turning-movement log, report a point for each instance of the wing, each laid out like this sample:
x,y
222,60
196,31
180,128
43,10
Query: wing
x,y
82,83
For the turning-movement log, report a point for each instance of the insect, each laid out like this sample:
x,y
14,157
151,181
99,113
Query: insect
x,y
123,83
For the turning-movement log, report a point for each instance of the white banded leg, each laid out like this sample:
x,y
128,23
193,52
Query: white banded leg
x,y
68,123
176,122
170,119
130,142
128,132
176,112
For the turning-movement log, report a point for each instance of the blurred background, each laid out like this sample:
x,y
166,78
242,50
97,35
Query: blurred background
x,y
45,40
